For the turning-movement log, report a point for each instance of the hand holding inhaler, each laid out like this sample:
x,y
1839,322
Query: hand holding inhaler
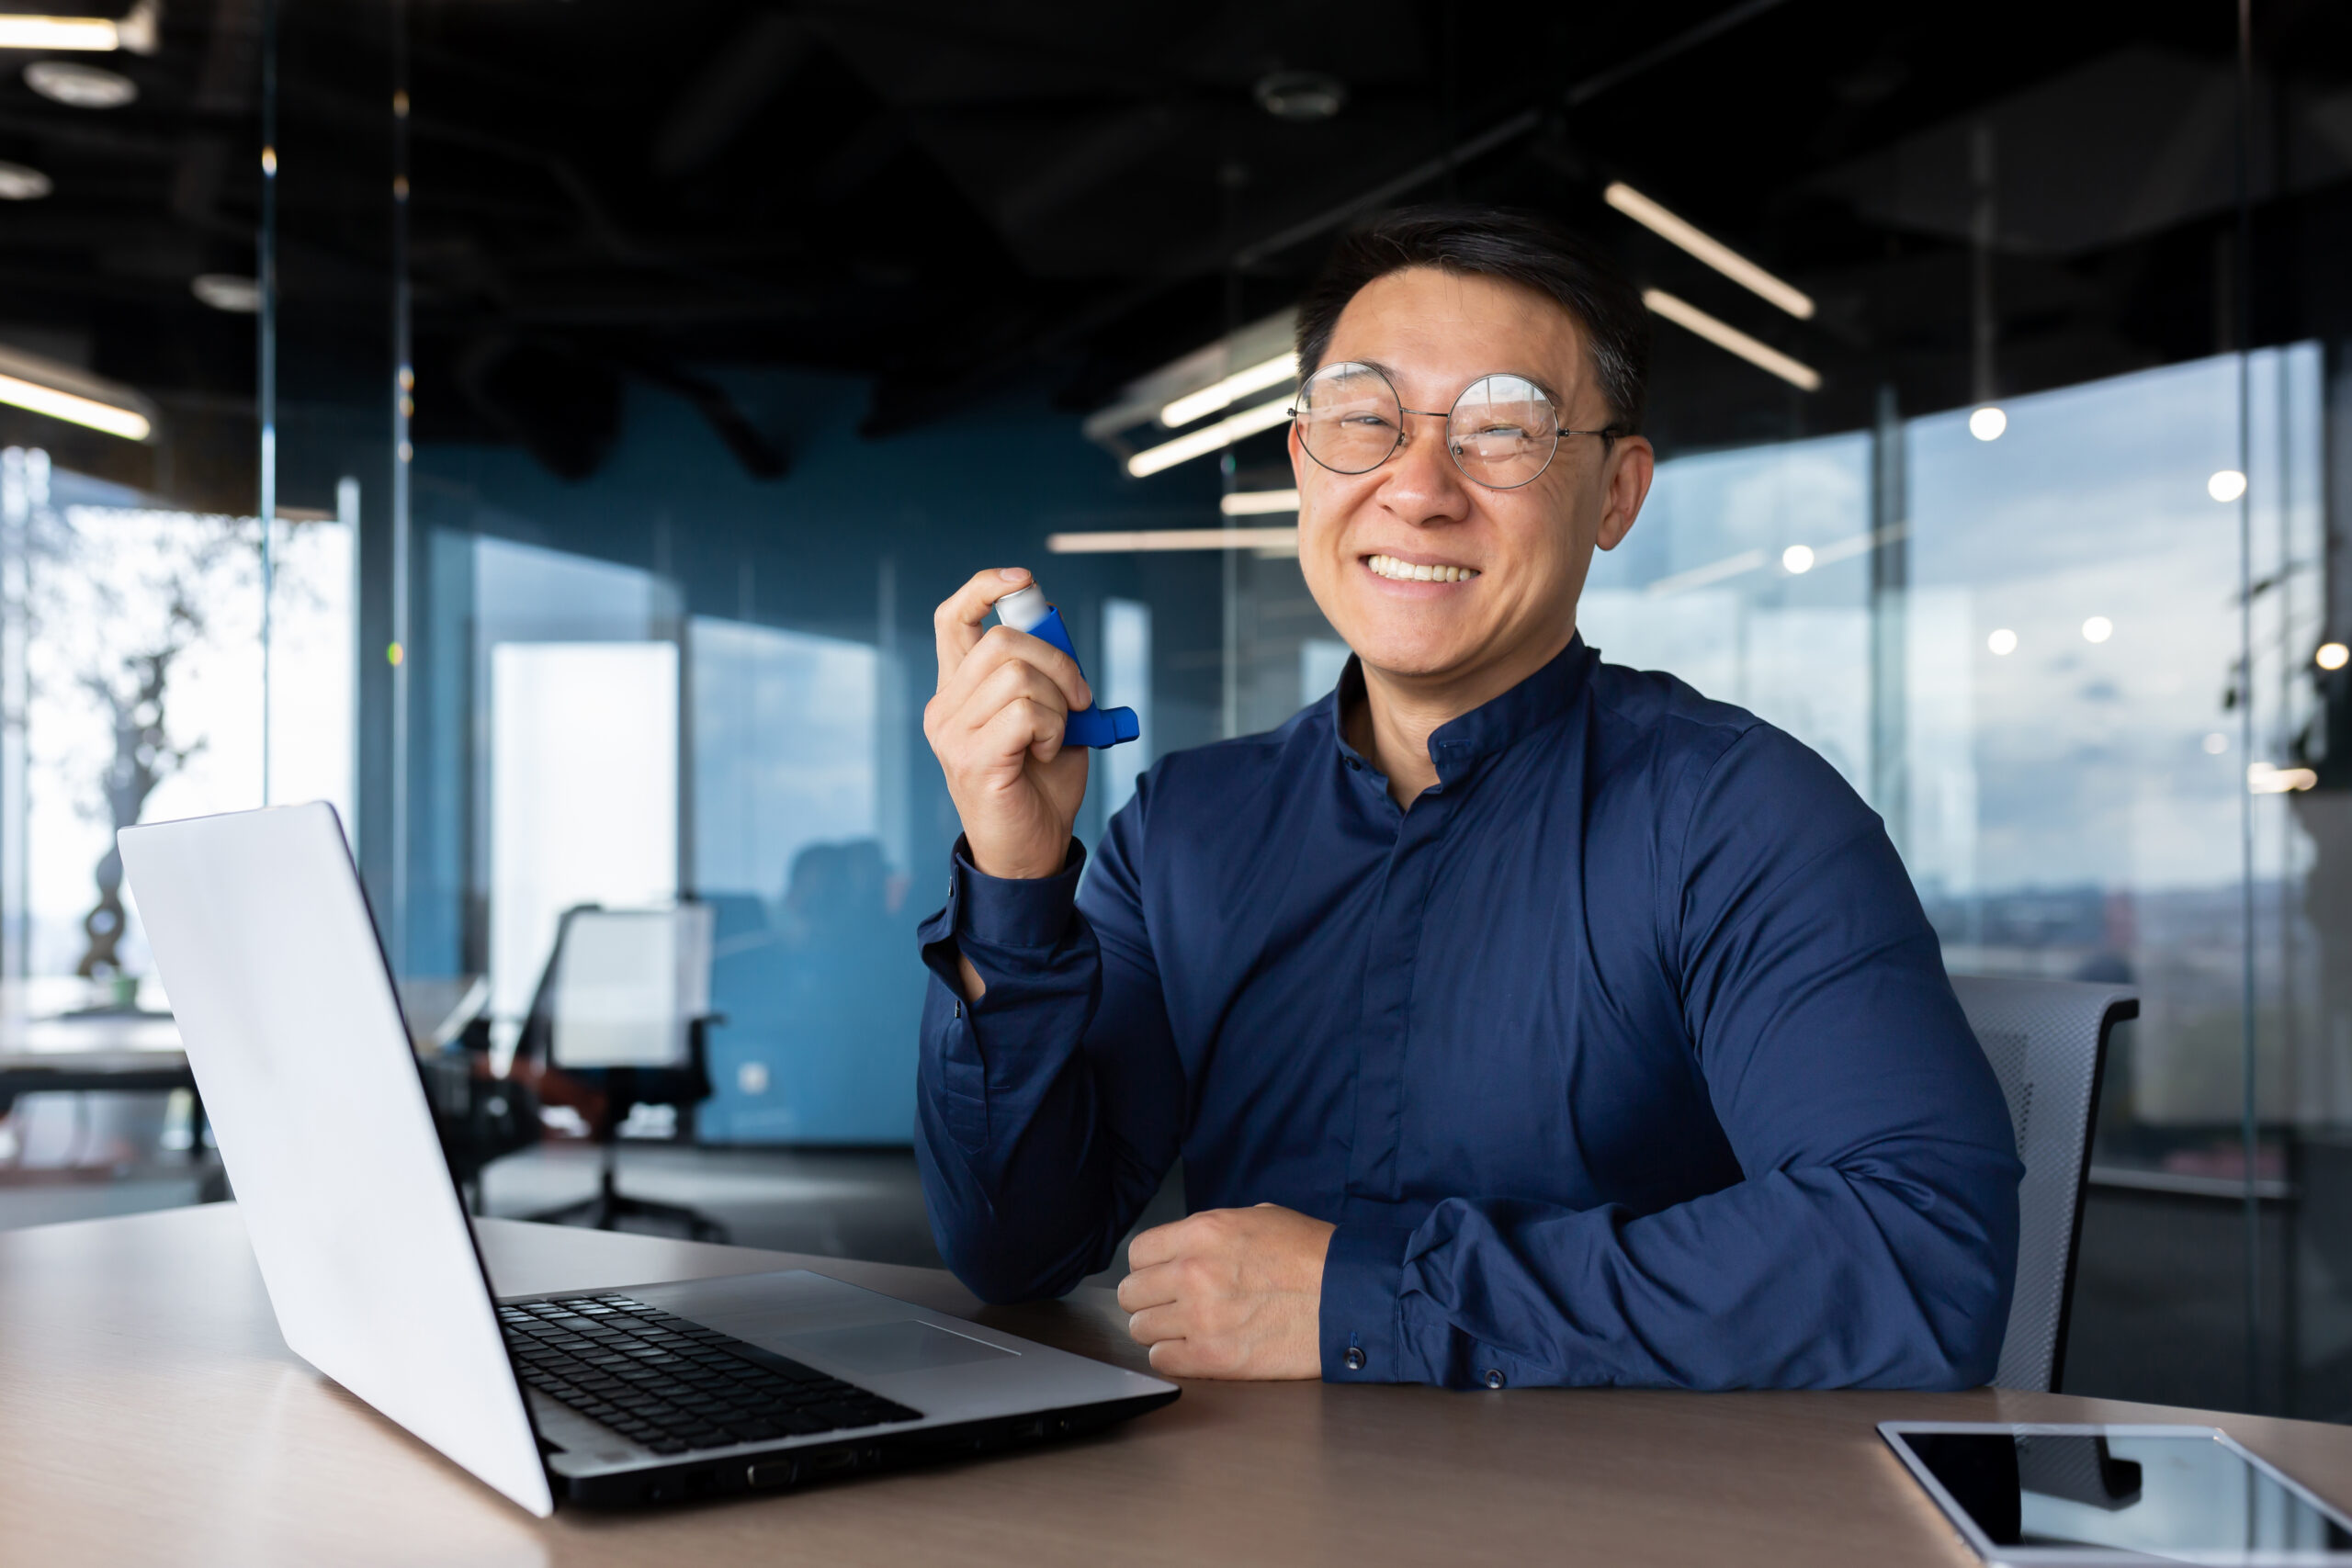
x,y
1025,610
1010,724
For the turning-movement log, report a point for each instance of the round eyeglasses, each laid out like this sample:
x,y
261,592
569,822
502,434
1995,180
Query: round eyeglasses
x,y
1501,430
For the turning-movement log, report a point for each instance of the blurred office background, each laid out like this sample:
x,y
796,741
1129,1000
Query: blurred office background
x,y
624,387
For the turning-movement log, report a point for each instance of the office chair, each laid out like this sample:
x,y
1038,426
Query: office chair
x,y
2047,1041
621,1011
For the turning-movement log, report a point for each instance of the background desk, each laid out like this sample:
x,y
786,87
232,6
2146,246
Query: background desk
x,y
149,1414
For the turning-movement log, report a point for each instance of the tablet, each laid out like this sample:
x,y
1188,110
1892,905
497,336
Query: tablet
x,y
2039,1496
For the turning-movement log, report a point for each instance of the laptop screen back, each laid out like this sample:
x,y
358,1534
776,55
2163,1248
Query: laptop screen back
x,y
262,937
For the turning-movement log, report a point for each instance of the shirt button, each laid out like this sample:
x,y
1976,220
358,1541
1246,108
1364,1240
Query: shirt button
x,y
1494,1377
1353,1359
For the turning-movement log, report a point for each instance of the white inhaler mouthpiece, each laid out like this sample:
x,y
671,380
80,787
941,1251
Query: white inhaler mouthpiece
x,y
1023,608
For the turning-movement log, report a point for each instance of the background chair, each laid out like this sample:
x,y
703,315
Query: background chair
x,y
2047,1041
621,1012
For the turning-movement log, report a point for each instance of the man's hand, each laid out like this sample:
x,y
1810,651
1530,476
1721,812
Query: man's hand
x,y
996,727
1231,1293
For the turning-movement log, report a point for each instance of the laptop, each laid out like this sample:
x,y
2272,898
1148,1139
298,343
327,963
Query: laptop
x,y
621,1395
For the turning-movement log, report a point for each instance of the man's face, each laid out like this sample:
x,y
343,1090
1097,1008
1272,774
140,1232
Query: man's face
x,y
1434,334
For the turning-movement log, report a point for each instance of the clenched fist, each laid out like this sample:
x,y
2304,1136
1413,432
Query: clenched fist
x,y
1231,1293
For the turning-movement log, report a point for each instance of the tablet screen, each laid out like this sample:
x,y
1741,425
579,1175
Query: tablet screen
x,y
2182,1494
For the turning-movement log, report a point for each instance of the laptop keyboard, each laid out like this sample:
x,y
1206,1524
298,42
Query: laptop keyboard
x,y
672,1385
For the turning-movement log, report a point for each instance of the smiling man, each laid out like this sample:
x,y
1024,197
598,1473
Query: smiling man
x,y
1518,1017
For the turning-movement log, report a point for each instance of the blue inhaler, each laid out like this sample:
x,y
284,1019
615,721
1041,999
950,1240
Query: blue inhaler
x,y
1025,610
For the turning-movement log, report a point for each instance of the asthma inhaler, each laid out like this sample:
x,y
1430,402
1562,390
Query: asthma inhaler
x,y
1025,610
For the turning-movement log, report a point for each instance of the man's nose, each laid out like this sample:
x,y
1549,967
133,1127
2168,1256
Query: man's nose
x,y
1424,486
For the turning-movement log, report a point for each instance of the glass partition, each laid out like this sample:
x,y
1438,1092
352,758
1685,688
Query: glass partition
x,y
606,508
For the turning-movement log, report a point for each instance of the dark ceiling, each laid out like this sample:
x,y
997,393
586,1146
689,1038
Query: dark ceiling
x,y
948,198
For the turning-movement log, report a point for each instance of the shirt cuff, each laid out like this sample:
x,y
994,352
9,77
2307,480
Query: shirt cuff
x,y
997,911
1361,1326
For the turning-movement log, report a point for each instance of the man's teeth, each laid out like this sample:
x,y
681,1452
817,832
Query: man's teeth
x,y
1406,571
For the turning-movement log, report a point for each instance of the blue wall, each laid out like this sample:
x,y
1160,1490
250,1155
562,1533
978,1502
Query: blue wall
x,y
806,552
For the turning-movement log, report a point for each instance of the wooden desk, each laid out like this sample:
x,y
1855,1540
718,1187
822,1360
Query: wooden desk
x,y
149,1414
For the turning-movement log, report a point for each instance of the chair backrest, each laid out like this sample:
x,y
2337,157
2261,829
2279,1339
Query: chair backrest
x,y
627,987
2047,1043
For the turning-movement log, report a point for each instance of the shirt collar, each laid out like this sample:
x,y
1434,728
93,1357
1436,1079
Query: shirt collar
x,y
1460,745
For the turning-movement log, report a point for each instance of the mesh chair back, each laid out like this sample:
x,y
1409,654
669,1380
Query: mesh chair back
x,y
2047,1041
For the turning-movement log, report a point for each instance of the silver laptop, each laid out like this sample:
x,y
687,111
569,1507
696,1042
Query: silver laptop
x,y
646,1394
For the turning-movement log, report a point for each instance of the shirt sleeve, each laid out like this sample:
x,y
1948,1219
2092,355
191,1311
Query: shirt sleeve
x,y
1872,1241
1049,1110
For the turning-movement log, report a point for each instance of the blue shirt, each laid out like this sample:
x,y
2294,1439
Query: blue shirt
x,y
1625,1057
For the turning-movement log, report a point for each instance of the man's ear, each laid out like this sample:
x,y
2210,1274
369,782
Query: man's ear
x,y
1626,478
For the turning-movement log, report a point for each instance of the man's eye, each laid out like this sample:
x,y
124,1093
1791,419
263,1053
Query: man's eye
x,y
1364,421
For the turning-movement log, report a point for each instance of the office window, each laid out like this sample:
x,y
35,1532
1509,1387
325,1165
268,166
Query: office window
x,y
2045,701
141,694
1748,576
1321,660
784,737
583,793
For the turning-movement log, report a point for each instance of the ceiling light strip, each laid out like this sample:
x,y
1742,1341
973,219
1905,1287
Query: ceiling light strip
x,y
1225,393
1209,438
1155,539
1731,339
94,35
128,423
1258,502
1708,249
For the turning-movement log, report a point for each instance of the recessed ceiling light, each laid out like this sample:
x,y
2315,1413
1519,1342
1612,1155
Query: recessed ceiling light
x,y
2098,628
227,291
80,86
1301,96
18,183
2002,643
2227,485
1797,560
1987,423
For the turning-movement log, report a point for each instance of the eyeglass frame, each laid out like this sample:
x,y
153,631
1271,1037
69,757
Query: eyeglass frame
x,y
1607,432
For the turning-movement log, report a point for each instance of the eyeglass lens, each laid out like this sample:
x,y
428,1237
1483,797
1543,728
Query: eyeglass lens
x,y
1501,431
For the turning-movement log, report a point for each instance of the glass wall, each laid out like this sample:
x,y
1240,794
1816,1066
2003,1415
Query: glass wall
x,y
612,478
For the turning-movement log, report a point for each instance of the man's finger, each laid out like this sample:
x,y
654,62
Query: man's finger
x,y
1153,1324
1154,1286
979,698
1161,1244
1027,725
1000,646
956,624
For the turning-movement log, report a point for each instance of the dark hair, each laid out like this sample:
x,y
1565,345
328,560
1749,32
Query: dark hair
x,y
1517,247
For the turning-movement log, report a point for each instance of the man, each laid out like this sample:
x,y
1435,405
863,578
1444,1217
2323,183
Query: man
x,y
1520,1019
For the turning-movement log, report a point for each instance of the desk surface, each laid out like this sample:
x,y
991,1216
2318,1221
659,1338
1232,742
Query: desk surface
x,y
150,1413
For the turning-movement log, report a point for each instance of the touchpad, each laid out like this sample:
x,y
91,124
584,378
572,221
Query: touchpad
x,y
878,1350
